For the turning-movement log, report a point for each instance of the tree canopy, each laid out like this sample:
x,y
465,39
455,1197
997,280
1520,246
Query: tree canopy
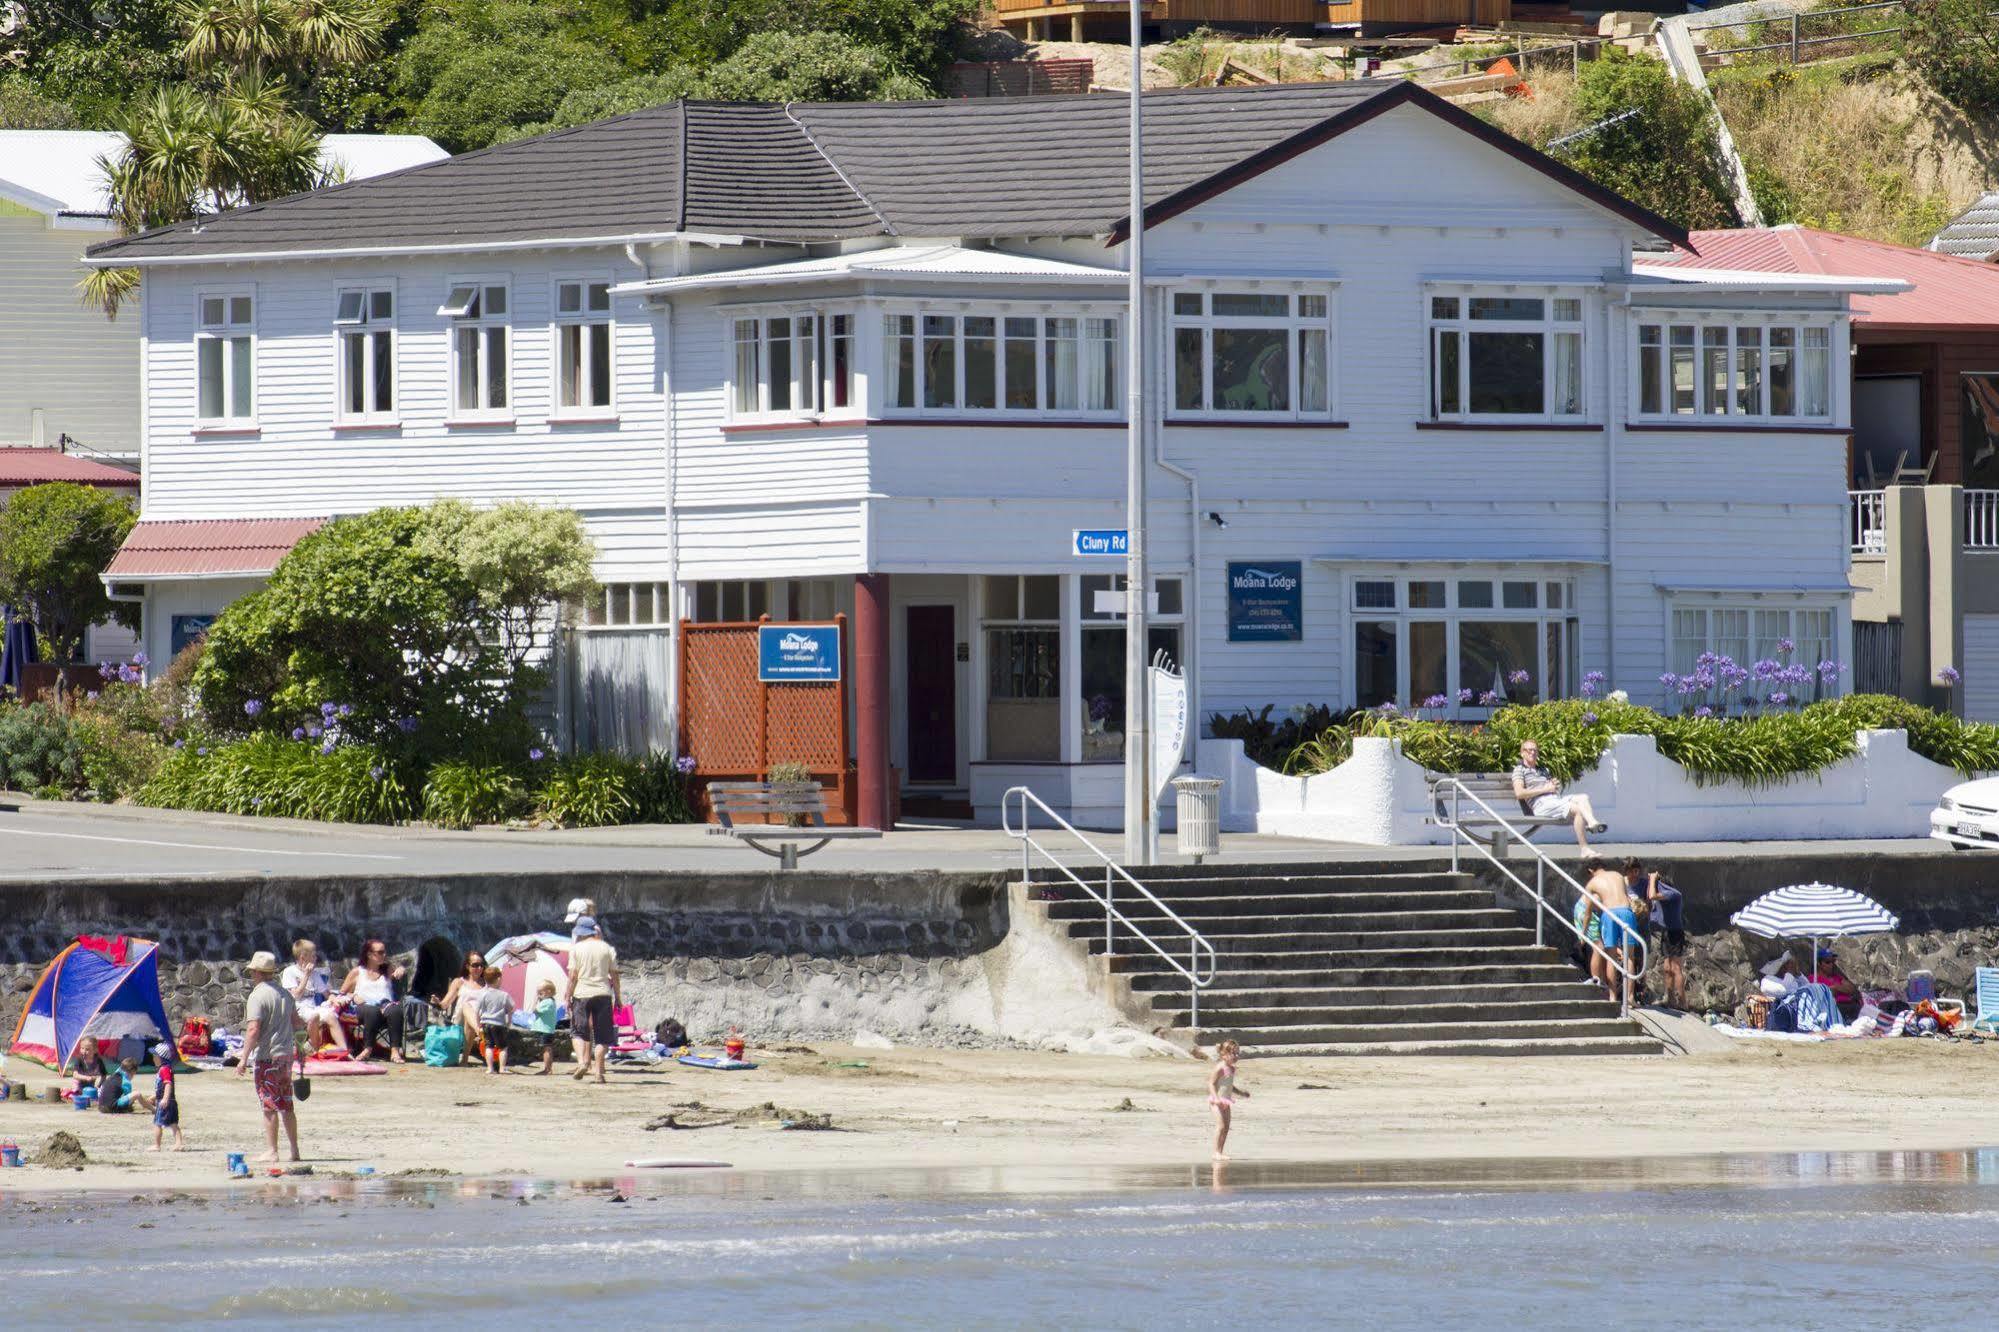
x,y
55,539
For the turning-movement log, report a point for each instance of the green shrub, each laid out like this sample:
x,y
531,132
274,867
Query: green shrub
x,y
459,793
280,778
41,751
1272,742
663,792
590,791
1955,45
1666,157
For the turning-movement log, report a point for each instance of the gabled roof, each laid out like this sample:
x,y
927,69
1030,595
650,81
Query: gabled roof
x,y
981,168
207,548
1972,234
33,467
1944,291
56,172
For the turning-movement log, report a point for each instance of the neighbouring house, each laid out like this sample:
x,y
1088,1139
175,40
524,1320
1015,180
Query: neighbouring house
x,y
1108,20
1924,465
21,467
72,376
1410,434
1972,234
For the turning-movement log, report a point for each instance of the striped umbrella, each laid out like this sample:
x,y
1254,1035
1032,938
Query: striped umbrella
x,y
1814,911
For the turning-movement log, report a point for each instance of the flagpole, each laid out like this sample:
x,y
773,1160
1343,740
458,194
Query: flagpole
x,y
1138,805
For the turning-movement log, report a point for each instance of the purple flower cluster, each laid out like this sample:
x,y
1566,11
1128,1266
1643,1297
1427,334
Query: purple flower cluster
x,y
536,754
1592,684
124,672
684,765
1465,696
1489,699
1436,701
1518,678
253,707
1950,676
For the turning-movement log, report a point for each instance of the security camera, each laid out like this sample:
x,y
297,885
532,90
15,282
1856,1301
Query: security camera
x,y
1217,519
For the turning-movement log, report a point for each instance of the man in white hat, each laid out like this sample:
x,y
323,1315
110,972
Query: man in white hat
x,y
270,1040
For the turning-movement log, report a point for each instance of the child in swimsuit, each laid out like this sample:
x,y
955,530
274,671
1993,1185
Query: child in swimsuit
x,y
1222,1093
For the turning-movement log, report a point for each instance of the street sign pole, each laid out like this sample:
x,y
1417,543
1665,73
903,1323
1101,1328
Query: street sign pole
x,y
1139,812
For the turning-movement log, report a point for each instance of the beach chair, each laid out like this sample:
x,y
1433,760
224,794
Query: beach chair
x,y
1987,990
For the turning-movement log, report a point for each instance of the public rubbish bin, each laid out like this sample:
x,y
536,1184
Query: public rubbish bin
x,y
1200,816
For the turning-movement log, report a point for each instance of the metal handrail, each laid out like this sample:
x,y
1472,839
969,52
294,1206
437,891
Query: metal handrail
x,y
1543,863
1198,948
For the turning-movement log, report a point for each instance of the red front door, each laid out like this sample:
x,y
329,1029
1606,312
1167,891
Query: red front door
x,y
931,658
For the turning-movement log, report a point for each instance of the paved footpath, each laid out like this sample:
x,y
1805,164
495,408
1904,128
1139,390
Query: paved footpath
x,y
40,841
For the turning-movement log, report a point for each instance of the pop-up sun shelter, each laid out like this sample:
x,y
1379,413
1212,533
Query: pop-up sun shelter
x,y
107,988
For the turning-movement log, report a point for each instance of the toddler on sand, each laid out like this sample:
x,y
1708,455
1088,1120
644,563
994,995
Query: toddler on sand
x,y
496,1014
166,1104
546,1014
1222,1093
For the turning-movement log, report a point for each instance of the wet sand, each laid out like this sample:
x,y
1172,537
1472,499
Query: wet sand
x,y
953,1109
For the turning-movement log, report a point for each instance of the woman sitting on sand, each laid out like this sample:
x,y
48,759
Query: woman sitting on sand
x,y
372,987
460,1001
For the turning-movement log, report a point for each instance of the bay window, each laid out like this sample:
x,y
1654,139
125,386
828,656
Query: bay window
x,y
1022,623
1464,644
582,347
1506,356
1103,649
225,333
479,360
1251,354
970,364
366,323
792,364
1758,370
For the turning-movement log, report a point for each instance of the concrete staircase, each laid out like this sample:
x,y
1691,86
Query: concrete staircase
x,y
1344,959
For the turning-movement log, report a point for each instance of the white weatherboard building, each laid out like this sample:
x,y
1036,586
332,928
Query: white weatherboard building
x,y
1424,427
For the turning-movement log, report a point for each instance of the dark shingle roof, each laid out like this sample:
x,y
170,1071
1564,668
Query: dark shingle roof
x,y
985,167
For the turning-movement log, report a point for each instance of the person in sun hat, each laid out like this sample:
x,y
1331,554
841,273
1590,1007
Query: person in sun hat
x,y
592,998
270,1041
579,907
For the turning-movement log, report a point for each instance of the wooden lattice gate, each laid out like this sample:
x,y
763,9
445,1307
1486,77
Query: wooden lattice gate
x,y
736,727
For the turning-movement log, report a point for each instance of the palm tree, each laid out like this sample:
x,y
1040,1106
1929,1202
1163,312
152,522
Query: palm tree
x,y
190,153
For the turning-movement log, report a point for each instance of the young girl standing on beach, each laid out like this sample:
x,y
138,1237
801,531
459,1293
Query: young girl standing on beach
x,y
1222,1093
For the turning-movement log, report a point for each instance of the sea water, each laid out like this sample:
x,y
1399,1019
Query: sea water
x,y
1871,1240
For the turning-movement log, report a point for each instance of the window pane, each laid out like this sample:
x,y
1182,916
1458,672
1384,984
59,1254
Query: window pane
x,y
1443,307
1374,662
981,367
385,373
1186,302
1448,371
569,298
600,296
1555,596
349,310
1167,591
1099,365
1518,596
1425,594
496,367
1779,370
807,343
1489,651
1506,307
1815,389
213,311
1429,668
239,377
239,310
1313,392
1683,369
208,358
1651,379
1568,309
1506,374
1250,305
901,360
842,353
1023,692
1021,392
1102,694
1093,586
1002,597
1374,594
1474,594
1714,371
600,365
569,366
1252,373
354,347
777,352
496,301
1311,307
1749,371
381,305
465,365
1568,397
940,361
1187,369
1060,364
748,372
1041,596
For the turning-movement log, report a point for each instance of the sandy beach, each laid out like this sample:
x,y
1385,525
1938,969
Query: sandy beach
x,y
915,1107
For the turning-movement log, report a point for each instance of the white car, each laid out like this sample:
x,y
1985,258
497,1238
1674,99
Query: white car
x,y
1967,815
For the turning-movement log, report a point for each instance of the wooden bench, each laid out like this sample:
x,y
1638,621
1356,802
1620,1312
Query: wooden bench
x,y
793,814
1496,790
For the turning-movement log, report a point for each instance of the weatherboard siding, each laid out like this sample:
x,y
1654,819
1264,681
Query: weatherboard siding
x,y
58,356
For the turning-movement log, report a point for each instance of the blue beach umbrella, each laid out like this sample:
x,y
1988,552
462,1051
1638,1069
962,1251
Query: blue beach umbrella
x,y
1814,911
17,648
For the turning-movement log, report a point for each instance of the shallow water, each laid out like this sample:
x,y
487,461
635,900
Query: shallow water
x,y
1808,1241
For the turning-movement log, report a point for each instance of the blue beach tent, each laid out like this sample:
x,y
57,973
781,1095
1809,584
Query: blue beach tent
x,y
17,648
107,988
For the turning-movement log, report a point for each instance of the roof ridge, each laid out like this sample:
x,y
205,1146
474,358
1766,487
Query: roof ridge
x,y
826,157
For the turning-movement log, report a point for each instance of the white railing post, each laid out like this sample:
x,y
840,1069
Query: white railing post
x,y
1110,929
1981,520
1870,521
1541,888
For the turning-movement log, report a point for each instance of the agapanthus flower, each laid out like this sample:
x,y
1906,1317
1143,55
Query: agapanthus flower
x,y
407,725
1669,682
252,707
202,752
1703,711
1950,675
327,747
328,709
1436,701
1465,695
1828,671
536,755
141,659
108,671
1489,699
1589,719
298,732
685,764
1785,647
1518,677
314,732
346,709
1779,699
376,772
180,744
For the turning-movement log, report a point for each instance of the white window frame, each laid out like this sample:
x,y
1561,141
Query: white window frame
x,y
639,604
1730,325
1759,637
583,317
811,398
227,331
1452,616
484,321
1436,327
366,326
1294,325
1041,312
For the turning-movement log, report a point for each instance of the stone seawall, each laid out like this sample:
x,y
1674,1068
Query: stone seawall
x,y
915,956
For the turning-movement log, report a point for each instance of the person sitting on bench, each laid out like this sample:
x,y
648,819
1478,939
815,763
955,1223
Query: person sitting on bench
x,y
1541,795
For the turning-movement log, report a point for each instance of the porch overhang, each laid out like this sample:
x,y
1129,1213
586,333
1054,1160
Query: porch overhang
x,y
205,549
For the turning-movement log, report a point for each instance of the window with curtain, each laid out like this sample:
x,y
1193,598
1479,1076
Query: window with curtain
x,y
366,322
583,347
1706,636
1757,370
225,330
480,376
1506,356
1251,354
1462,645
795,364
971,364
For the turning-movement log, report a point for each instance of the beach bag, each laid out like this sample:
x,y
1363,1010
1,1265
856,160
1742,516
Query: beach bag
x,y
195,1037
442,1046
670,1034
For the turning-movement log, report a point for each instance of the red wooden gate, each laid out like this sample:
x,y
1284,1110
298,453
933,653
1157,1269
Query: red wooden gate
x,y
736,727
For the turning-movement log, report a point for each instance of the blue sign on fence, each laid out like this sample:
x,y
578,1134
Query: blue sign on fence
x,y
1102,541
789,653
1266,602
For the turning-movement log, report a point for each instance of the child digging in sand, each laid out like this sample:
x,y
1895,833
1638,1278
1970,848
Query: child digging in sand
x,y
1222,1093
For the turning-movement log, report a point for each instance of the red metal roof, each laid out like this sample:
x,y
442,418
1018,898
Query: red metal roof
x,y
190,548
31,467
1947,291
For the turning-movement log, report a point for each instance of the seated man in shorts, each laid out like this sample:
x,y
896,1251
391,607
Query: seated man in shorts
x,y
1541,795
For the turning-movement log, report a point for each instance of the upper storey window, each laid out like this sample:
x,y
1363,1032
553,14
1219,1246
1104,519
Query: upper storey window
x,y
583,381
365,321
223,354
479,360
1769,371
1019,364
1506,357
1252,354
792,364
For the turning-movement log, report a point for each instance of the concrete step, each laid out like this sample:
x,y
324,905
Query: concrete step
x,y
1230,885
1211,908
1228,946
1162,978
1393,1017
1220,995
1359,1033
1535,1045
1372,959
1277,928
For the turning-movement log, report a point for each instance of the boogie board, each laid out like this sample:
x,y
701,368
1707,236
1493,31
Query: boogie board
x,y
716,1061
341,1068
673,1163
